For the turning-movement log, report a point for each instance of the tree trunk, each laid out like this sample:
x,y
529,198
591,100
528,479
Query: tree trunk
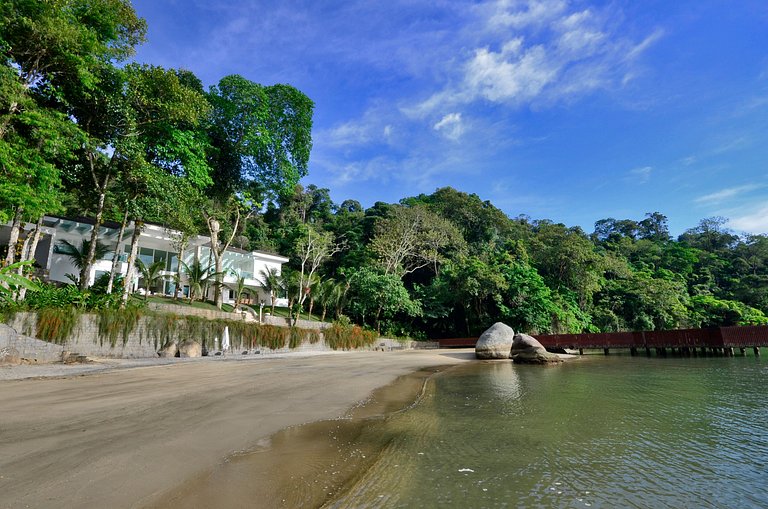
x,y
274,300
86,270
178,291
311,305
118,253
127,286
214,227
10,257
29,253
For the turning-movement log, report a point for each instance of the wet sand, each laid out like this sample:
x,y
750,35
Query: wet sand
x,y
146,436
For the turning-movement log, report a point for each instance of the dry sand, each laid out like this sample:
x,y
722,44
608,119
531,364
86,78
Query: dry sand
x,y
123,437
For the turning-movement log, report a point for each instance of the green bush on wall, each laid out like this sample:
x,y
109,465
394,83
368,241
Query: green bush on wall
x,y
56,325
345,337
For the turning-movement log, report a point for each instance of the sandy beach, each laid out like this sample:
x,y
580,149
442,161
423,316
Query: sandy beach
x,y
124,436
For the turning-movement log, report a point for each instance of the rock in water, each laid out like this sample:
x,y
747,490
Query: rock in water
x,y
527,350
169,350
189,348
495,343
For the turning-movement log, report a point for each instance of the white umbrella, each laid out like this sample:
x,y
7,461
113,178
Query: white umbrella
x,y
225,339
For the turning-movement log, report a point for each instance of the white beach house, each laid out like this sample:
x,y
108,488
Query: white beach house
x,y
155,243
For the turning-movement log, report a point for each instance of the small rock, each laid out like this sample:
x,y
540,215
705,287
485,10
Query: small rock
x,y
9,356
190,348
169,350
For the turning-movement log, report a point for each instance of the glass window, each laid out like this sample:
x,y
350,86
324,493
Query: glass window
x,y
146,256
160,256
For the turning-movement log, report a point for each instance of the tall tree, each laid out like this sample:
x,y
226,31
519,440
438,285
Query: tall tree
x,y
260,143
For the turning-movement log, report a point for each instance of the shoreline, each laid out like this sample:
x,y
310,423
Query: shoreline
x,y
126,436
309,465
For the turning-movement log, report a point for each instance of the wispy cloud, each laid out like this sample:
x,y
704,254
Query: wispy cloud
x,y
539,51
639,175
726,194
755,221
450,126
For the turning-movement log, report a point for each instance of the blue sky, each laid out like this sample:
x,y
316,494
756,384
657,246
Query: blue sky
x,y
566,110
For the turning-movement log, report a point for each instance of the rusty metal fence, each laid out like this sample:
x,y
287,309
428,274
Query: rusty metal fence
x,y
715,337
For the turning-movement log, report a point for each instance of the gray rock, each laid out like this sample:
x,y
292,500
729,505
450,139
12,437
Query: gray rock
x,y
527,350
9,356
169,350
495,343
190,348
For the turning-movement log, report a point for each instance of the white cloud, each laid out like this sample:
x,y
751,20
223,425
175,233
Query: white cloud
x,y
450,126
349,133
646,43
509,76
726,194
517,14
752,222
640,175
547,52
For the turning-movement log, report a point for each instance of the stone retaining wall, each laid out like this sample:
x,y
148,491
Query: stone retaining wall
x,y
248,316
85,340
29,348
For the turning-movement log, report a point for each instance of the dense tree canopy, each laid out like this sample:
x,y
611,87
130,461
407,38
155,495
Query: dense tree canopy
x,y
83,132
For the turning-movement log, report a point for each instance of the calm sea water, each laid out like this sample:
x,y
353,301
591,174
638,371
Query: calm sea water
x,y
596,432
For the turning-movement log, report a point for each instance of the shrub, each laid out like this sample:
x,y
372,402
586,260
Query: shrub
x,y
117,322
56,324
341,336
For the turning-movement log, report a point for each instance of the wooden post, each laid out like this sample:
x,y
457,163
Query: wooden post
x,y
605,351
743,351
633,351
581,351
647,351
757,351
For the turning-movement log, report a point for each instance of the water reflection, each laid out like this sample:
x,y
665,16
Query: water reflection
x,y
600,433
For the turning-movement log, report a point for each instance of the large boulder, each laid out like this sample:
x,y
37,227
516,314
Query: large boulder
x,y
495,343
527,350
190,348
9,356
169,350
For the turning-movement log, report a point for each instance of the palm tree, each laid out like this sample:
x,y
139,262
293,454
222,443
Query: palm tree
x,y
239,288
272,283
330,294
78,255
198,278
152,275
312,285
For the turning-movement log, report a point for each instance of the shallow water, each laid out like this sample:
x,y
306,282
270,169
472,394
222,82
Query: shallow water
x,y
596,432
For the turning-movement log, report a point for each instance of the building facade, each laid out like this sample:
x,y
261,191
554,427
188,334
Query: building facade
x,y
156,244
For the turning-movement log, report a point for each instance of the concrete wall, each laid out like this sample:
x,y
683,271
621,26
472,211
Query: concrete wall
x,y
85,340
29,348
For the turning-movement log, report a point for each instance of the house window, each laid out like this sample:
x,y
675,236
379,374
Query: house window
x,y
146,256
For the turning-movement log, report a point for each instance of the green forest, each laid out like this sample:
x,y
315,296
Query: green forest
x,y
86,131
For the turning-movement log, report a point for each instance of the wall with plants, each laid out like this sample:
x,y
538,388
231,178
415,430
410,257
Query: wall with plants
x,y
139,333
